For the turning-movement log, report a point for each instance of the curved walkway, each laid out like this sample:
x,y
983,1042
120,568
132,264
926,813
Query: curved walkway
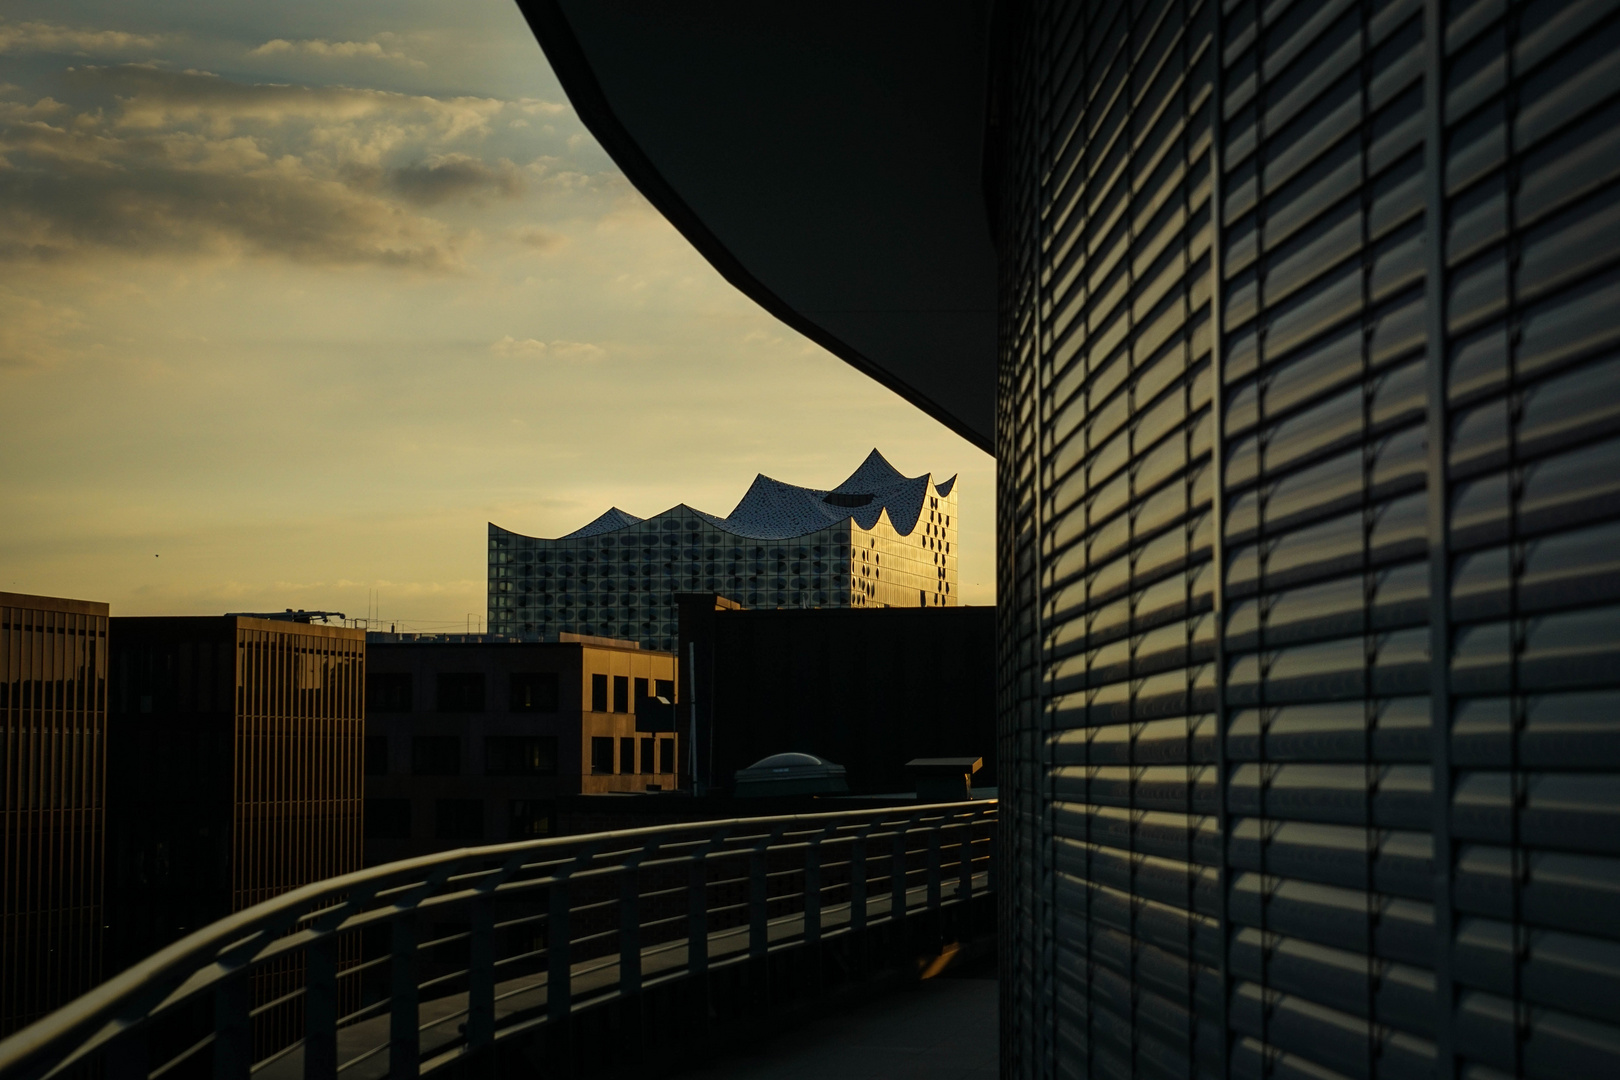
x,y
940,1029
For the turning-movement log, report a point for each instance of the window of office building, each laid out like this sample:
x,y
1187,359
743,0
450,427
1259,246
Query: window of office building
x,y
520,755
599,693
528,819
460,692
627,755
388,692
601,754
534,691
664,688
376,755
648,764
458,819
388,819
642,692
436,755
666,755
621,693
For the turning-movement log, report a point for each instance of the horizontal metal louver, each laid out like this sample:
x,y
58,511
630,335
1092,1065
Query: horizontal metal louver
x,y
1308,364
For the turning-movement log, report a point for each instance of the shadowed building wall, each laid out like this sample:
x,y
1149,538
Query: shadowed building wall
x,y
53,727
867,689
237,749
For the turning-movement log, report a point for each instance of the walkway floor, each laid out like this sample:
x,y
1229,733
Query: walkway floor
x,y
941,1029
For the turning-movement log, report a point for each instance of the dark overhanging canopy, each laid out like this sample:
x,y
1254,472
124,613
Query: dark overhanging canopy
x,y
827,160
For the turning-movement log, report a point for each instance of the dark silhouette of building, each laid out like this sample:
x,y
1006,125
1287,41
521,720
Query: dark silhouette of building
x,y
53,729
869,689
1292,327
473,738
237,772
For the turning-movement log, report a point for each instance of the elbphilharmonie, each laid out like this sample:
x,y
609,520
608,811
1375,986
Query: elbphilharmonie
x,y
877,539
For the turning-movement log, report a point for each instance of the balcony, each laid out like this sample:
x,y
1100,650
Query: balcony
x,y
613,952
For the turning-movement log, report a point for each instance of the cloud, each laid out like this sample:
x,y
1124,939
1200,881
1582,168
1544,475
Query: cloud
x,y
66,193
378,48
192,163
447,176
538,238
579,352
51,38
511,346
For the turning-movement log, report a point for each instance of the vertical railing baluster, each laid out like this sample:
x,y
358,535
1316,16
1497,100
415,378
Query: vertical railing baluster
x,y
697,916
559,973
933,868
964,859
404,1035
812,892
758,925
481,975
233,1028
559,981
897,875
320,1009
126,1058
857,884
630,929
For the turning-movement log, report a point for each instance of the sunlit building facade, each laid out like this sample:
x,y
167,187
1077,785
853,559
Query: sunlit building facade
x,y
53,757
879,539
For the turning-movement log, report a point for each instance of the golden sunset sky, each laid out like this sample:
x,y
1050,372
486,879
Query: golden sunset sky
x,y
295,297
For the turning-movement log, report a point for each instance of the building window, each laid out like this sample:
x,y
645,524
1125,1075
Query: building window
x,y
647,763
528,819
641,693
666,755
458,819
599,698
388,691
520,755
664,688
388,819
534,692
621,693
461,692
436,755
627,755
601,754
376,755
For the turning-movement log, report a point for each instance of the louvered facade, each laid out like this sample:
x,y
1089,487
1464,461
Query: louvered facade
x,y
53,751
1309,527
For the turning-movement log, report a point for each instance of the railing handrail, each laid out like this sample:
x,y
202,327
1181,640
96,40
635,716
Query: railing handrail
x,y
207,957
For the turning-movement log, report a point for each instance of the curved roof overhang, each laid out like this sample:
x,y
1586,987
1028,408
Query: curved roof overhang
x,y
826,159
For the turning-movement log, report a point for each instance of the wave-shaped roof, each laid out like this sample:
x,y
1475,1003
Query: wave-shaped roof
x,y
773,510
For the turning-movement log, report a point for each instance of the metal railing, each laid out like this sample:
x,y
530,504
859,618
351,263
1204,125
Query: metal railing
x,y
403,969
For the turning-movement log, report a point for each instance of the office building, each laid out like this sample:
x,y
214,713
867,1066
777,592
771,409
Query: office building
x,y
236,750
472,738
1292,327
53,753
878,539
867,690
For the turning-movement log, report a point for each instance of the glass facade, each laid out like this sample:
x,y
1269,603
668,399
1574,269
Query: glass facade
x,y
1309,512
623,583
53,727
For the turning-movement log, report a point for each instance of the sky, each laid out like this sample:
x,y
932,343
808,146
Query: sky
x,y
295,297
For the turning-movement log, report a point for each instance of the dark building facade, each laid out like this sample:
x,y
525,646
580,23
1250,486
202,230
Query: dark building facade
x,y
474,739
237,750
1306,422
53,730
867,689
